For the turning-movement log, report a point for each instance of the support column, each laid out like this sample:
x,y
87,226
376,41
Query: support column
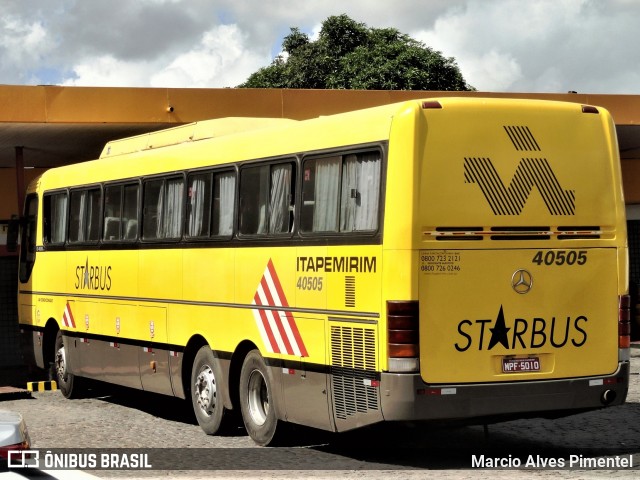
x,y
20,178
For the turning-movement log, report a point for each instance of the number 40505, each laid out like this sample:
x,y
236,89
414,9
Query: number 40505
x,y
560,257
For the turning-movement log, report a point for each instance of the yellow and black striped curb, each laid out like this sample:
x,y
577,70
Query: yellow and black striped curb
x,y
42,386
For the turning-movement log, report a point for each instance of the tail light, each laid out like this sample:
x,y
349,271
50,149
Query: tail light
x,y
403,336
624,321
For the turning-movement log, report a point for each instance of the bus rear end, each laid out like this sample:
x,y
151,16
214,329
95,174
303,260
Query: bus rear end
x,y
520,265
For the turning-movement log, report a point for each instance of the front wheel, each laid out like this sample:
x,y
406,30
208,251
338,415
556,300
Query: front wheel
x,y
257,400
68,383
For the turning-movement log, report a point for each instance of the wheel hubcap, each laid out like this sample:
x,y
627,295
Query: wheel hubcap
x,y
61,364
205,390
258,398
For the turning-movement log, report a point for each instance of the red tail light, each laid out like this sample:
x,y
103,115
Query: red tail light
x,y
624,321
403,338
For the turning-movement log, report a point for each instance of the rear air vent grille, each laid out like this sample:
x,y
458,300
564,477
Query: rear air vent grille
x,y
456,233
516,233
353,370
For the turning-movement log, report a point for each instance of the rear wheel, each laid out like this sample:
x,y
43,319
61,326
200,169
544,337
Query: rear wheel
x,y
257,401
68,383
206,389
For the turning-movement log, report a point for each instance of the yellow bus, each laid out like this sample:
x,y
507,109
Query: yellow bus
x,y
449,258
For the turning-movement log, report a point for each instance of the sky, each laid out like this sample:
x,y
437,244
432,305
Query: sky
x,y
542,46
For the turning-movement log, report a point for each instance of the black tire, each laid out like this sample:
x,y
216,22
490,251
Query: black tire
x,y
68,383
257,401
206,392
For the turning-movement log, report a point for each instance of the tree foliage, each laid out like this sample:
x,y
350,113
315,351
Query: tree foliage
x,y
349,55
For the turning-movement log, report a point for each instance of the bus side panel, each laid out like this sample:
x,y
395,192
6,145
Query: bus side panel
x,y
121,364
304,379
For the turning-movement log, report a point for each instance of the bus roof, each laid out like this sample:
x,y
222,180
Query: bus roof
x,y
190,132
228,140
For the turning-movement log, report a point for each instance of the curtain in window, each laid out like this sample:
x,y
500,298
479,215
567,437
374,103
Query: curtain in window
x,y
225,185
168,223
280,196
197,204
360,192
327,185
172,209
263,199
93,215
160,231
81,218
58,218
130,212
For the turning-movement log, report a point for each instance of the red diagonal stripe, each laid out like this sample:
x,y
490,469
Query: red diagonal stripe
x,y
70,315
276,283
266,325
283,301
276,316
299,341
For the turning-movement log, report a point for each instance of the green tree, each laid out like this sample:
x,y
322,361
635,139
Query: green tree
x,y
349,55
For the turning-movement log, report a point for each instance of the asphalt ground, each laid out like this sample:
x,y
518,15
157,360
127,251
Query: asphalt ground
x,y
139,422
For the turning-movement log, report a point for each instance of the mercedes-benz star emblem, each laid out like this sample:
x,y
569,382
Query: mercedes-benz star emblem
x,y
521,281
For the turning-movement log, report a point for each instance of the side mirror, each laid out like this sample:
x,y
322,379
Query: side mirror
x,y
12,234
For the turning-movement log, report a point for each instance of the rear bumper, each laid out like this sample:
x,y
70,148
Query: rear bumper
x,y
407,398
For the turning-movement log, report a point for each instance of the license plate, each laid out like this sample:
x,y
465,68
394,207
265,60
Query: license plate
x,y
511,365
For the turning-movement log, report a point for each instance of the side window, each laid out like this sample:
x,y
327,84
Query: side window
x,y
162,208
120,212
84,215
266,199
360,192
211,204
55,218
341,193
320,199
28,241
